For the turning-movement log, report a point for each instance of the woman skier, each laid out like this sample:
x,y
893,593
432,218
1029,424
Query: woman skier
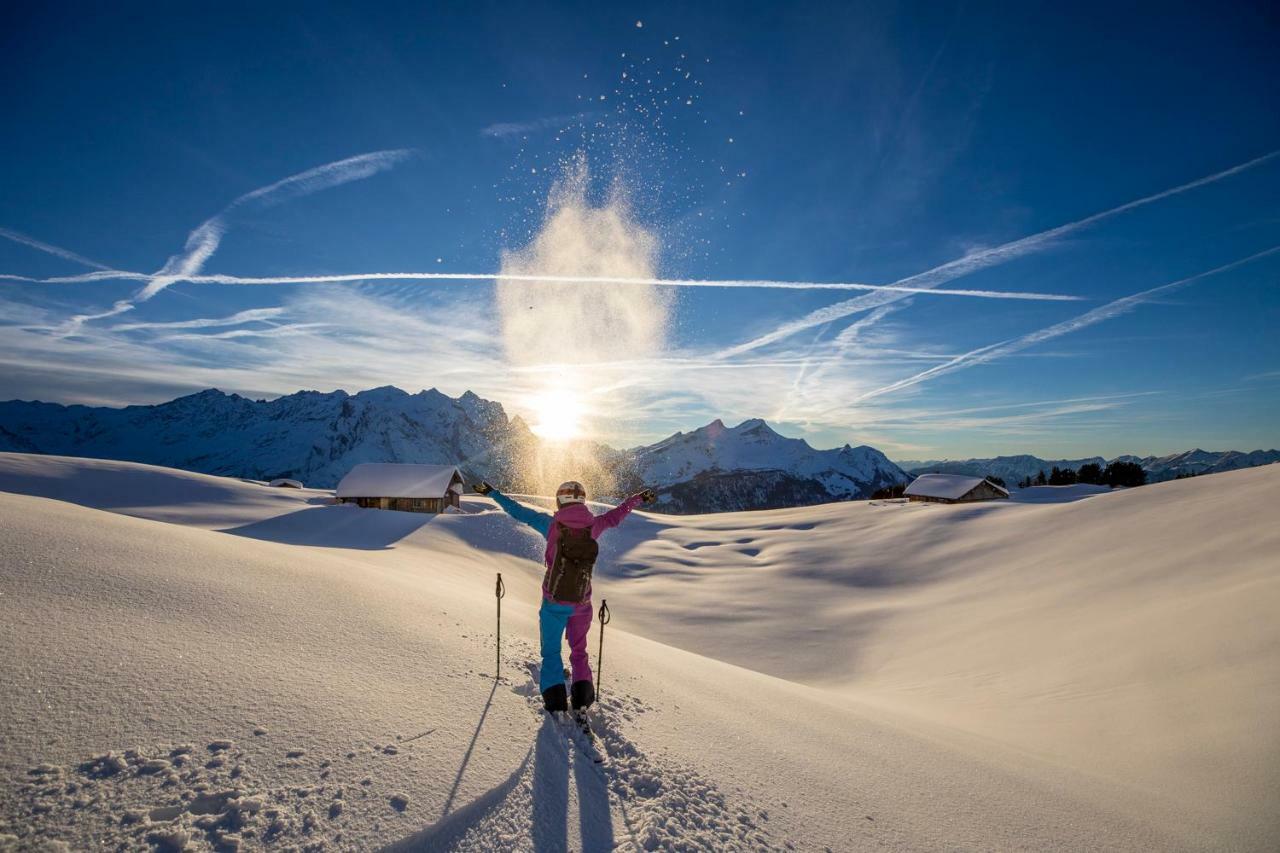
x,y
566,586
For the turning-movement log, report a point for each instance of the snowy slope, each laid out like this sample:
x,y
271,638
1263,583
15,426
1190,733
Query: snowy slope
x,y
717,468
1096,673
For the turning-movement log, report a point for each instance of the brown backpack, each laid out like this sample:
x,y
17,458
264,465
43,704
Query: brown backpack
x,y
569,577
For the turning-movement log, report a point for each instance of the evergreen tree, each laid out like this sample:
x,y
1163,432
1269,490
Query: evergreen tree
x,y
1090,472
992,478
1061,477
1127,474
1040,478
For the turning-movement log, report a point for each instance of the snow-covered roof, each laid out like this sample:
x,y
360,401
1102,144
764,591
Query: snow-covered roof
x,y
286,482
946,486
397,480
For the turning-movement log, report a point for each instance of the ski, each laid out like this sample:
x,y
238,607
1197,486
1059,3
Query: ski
x,y
573,724
585,739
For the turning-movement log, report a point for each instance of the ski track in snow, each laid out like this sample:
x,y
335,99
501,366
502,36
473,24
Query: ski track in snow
x,y
629,802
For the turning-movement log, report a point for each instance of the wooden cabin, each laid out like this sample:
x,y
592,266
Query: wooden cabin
x,y
403,487
953,489
285,483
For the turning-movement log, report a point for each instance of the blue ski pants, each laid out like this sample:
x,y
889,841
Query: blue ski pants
x,y
555,620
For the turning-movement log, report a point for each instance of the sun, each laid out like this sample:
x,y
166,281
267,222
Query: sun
x,y
558,415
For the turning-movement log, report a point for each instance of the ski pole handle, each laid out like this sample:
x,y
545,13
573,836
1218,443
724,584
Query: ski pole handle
x,y
604,612
501,589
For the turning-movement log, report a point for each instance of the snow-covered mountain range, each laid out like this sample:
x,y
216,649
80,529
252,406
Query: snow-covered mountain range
x,y
309,436
317,438
716,468
1159,468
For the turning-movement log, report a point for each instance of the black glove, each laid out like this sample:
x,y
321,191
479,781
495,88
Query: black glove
x,y
648,496
482,488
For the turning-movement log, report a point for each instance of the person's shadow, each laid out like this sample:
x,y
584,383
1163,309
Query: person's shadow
x,y
550,789
594,818
551,794
552,753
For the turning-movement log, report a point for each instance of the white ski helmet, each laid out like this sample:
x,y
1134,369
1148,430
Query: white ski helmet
x,y
570,492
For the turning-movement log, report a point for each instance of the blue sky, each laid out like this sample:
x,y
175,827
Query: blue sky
x,y
972,148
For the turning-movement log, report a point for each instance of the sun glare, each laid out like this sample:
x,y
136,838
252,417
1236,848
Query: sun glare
x,y
558,415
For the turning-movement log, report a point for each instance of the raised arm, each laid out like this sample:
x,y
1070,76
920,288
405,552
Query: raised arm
x,y
614,517
539,521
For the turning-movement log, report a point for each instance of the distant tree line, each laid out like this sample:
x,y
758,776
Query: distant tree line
x,y
1126,474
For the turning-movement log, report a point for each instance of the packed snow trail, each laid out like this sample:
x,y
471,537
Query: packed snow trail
x,y
345,655
559,798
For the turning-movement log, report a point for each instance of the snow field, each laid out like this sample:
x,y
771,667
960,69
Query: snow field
x,y
1094,674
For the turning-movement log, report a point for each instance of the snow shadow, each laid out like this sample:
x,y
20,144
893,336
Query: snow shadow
x,y
466,756
450,829
343,526
594,819
550,790
141,490
550,806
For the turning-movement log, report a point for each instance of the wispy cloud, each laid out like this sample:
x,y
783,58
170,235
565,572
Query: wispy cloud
x,y
273,333
519,128
331,338
991,352
971,263
250,316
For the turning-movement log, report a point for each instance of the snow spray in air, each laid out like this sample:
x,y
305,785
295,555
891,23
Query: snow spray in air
x,y
565,331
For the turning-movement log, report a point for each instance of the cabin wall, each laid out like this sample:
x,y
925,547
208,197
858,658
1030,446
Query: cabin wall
x,y
983,492
428,505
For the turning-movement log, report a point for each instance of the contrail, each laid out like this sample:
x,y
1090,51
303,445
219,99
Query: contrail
x,y
845,341
66,254
930,279
205,239
252,315
195,278
982,355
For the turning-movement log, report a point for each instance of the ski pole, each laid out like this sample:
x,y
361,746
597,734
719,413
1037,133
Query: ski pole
x,y
499,591
604,620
